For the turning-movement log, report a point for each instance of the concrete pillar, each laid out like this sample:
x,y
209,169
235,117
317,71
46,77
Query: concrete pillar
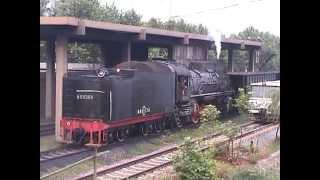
x,y
251,60
49,82
170,52
61,69
126,52
230,60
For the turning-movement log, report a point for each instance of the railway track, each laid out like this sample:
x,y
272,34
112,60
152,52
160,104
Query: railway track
x,y
147,163
69,151
61,153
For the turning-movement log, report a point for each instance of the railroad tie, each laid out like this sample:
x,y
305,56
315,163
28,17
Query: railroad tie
x,y
152,163
137,168
110,176
59,153
46,156
117,175
129,169
141,166
125,173
162,159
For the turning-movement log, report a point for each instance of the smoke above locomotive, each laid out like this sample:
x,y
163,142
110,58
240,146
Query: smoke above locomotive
x,y
111,103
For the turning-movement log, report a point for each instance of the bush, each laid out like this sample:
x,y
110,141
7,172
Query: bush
x,y
242,101
209,113
191,164
274,107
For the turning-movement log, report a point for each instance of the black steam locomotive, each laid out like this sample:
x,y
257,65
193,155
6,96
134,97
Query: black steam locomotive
x,y
110,104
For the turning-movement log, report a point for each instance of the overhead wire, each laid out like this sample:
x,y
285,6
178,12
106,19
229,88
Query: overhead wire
x,y
215,9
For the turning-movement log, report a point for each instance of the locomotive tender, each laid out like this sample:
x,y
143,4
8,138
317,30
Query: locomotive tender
x,y
111,104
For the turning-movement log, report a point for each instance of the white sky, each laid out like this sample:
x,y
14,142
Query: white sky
x,y
235,17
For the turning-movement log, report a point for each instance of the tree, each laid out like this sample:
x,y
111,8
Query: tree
x,y
274,109
191,164
270,45
84,53
155,23
44,7
88,9
242,101
210,113
131,18
155,52
201,29
112,13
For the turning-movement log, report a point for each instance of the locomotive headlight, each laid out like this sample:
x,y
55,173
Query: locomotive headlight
x,y
102,72
118,70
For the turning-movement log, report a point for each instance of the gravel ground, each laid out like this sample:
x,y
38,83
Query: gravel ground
x,y
273,161
48,143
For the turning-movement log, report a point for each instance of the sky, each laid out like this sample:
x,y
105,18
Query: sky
x,y
220,16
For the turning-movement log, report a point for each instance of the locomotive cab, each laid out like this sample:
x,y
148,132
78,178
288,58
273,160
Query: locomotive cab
x,y
183,89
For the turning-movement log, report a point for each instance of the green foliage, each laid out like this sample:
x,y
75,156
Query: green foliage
x,y
43,7
270,45
274,107
84,53
155,52
242,101
177,25
230,129
155,23
209,113
88,9
191,164
130,17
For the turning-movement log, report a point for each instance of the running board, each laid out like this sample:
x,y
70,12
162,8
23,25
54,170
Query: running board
x,y
213,94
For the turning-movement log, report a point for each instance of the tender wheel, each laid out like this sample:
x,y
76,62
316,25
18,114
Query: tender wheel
x,y
158,126
111,137
195,115
121,135
146,129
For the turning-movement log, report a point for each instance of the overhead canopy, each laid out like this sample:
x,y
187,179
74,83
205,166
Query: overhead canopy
x,y
88,30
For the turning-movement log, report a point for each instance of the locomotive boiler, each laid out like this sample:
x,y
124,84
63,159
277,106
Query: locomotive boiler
x,y
144,97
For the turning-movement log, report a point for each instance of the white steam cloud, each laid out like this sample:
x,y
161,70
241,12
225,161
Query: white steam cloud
x,y
217,42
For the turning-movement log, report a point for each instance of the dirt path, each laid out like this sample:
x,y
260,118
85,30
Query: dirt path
x,y
272,162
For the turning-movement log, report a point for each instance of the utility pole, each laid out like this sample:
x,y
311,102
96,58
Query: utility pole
x,y
95,146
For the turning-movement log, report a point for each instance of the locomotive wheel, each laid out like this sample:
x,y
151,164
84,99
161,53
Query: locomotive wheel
x,y
195,115
121,135
178,121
